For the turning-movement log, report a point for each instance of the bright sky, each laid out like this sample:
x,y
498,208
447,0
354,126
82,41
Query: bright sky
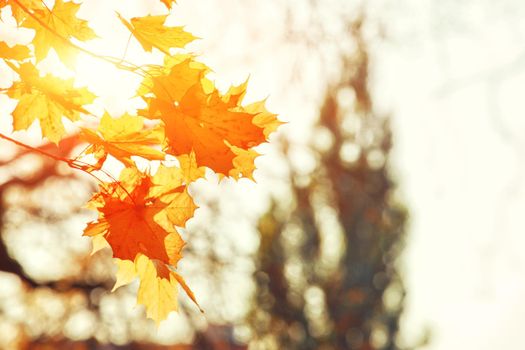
x,y
454,84
452,76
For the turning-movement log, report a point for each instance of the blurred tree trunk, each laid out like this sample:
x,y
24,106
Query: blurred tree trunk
x,y
327,276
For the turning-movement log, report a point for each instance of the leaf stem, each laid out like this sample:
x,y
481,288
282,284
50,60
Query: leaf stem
x,y
73,163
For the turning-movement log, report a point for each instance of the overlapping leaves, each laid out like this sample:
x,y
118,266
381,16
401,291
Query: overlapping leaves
x,y
186,118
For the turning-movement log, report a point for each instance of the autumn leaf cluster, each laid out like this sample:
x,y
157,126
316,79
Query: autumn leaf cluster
x,y
188,125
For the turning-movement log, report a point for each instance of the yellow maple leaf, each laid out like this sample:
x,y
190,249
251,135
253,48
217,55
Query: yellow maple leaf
x,y
20,8
16,52
189,167
150,32
158,287
168,188
263,118
126,273
157,290
98,243
155,77
169,3
243,163
54,28
47,99
124,137
174,85
167,180
235,94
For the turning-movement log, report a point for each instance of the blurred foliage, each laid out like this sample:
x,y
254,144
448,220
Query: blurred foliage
x,y
326,268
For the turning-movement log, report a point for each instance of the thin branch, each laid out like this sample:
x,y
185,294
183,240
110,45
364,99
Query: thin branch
x,y
38,150
73,163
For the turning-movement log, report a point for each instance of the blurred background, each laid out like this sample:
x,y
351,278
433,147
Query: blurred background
x,y
386,213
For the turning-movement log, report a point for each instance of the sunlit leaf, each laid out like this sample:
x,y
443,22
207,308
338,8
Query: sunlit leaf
x,y
55,28
124,137
20,8
151,32
16,52
169,3
47,99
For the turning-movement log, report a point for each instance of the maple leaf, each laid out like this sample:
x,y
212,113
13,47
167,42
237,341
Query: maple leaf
x,y
48,99
218,130
189,168
185,72
158,287
167,187
139,215
200,122
126,273
243,163
133,221
150,32
54,28
122,138
20,8
263,118
169,3
203,123
175,84
98,242
16,52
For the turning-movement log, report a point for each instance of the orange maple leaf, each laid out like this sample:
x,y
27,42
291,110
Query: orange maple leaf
x,y
138,215
201,122
263,118
205,124
134,222
136,219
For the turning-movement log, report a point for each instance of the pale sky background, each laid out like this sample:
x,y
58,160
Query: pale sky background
x,y
452,75
453,84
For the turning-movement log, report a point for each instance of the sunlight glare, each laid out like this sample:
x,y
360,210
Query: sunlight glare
x,y
114,87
